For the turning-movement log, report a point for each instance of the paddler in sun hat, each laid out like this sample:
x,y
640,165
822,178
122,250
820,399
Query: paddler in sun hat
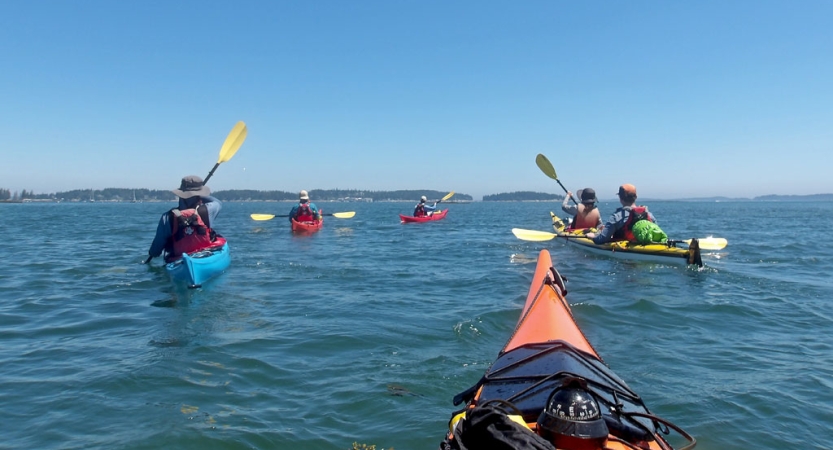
x,y
585,214
422,208
304,211
188,227
620,224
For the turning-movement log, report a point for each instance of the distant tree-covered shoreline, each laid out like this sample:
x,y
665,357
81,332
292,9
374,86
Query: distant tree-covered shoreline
x,y
324,195
153,195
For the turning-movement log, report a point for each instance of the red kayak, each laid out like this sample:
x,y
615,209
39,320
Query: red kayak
x,y
307,227
549,388
438,215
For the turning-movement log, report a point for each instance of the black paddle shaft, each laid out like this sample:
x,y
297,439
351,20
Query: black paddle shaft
x,y
210,173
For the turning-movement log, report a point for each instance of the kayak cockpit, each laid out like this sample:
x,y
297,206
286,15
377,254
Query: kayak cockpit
x,y
526,377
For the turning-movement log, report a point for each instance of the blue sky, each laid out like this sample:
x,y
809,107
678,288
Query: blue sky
x,y
682,99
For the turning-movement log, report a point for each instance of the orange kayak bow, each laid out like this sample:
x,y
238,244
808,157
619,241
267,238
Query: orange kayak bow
x,y
549,388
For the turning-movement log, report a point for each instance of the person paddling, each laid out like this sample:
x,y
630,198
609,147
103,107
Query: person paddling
x,y
585,214
188,227
422,209
304,211
620,225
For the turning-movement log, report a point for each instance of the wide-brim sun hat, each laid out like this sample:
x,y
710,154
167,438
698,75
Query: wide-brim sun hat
x,y
192,186
304,195
587,196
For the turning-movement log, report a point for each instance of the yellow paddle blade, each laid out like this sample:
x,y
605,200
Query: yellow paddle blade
x,y
545,166
710,243
233,142
344,215
447,196
262,216
532,235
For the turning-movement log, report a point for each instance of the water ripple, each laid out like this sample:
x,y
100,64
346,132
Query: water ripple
x,y
364,331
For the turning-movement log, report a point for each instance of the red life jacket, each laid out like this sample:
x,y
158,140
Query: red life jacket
x,y
419,211
637,213
190,232
586,217
304,213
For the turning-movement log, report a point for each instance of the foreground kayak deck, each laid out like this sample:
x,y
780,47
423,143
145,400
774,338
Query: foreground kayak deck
x,y
198,267
668,253
307,227
548,352
438,215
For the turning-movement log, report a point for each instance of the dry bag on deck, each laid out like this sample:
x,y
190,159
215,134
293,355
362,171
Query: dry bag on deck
x,y
647,232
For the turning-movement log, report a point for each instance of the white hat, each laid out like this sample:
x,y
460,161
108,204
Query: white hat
x,y
424,198
304,195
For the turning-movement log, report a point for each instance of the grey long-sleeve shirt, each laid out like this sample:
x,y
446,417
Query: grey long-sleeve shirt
x,y
617,220
570,208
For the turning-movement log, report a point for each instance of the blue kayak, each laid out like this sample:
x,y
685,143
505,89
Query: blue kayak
x,y
198,267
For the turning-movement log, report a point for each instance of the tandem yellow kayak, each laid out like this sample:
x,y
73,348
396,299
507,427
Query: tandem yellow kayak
x,y
669,252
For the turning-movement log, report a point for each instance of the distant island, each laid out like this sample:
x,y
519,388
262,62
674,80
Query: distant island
x,y
236,195
343,195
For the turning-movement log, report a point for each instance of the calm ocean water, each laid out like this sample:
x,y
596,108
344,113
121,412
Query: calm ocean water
x,y
365,331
